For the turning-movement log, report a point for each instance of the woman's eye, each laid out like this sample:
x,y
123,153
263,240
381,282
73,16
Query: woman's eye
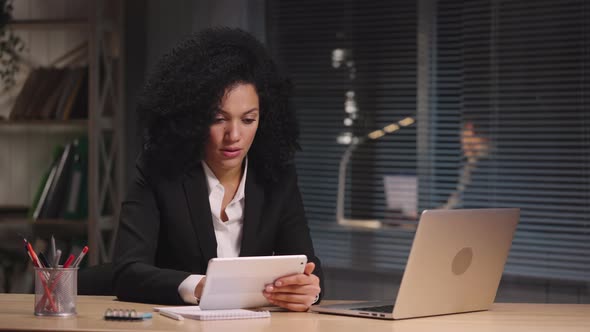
x,y
218,120
249,121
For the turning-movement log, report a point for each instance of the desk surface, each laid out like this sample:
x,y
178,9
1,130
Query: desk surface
x,y
16,314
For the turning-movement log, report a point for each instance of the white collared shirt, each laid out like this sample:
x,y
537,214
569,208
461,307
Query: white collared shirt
x,y
227,233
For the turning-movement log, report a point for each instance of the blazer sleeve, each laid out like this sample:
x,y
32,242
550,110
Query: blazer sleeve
x,y
294,234
136,278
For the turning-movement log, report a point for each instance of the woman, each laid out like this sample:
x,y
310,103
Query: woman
x,y
215,177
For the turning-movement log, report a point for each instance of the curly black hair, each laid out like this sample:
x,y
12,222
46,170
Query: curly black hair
x,y
183,94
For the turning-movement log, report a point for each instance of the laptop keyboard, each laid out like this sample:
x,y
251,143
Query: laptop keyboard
x,y
382,308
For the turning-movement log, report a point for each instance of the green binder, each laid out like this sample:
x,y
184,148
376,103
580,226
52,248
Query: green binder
x,y
75,205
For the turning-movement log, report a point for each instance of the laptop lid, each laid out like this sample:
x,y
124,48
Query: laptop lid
x,y
456,261
455,265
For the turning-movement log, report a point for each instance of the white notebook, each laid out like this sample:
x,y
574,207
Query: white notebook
x,y
194,312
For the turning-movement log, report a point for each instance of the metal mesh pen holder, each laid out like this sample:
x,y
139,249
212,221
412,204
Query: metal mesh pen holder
x,y
56,290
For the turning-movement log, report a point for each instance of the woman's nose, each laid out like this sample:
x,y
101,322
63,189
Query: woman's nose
x,y
232,132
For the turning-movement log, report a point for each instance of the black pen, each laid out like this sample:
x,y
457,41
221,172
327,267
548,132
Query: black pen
x,y
43,260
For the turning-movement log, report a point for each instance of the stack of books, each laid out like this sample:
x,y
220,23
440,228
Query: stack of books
x,y
53,94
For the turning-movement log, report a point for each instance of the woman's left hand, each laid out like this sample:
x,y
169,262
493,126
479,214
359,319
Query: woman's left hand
x,y
295,292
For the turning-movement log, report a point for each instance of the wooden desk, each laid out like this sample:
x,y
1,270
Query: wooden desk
x,y
16,314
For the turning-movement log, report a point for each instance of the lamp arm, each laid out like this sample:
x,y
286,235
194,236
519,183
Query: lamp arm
x,y
356,141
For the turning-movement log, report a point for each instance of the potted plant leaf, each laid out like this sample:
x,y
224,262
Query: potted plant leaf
x,y
10,47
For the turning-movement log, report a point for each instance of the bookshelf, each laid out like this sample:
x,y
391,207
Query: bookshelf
x,y
97,24
50,24
57,126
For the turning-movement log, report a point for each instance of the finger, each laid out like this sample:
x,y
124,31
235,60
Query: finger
x,y
297,279
309,267
295,289
290,306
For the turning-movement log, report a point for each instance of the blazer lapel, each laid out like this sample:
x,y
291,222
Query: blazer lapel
x,y
197,195
254,196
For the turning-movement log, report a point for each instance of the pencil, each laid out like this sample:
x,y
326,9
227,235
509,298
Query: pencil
x,y
171,315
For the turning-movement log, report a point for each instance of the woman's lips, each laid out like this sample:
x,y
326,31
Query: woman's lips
x,y
231,153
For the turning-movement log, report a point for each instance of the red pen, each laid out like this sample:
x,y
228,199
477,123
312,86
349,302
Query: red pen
x,y
68,261
44,280
80,257
33,255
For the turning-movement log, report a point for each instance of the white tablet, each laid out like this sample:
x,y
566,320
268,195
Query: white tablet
x,y
235,283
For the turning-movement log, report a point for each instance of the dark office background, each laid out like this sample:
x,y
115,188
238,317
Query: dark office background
x,y
515,71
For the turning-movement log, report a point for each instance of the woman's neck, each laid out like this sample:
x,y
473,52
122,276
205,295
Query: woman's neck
x,y
228,176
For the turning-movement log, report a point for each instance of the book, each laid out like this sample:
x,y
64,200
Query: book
x,y
67,89
25,96
58,188
43,88
75,204
71,97
38,193
79,109
34,210
49,106
46,182
194,312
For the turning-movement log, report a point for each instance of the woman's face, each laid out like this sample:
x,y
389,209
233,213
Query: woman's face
x,y
233,130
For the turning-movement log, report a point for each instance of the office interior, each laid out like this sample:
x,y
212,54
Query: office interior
x,y
403,105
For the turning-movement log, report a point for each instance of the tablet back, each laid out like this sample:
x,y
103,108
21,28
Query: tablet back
x,y
234,283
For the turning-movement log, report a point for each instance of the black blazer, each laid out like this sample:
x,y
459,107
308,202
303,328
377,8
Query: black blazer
x,y
166,231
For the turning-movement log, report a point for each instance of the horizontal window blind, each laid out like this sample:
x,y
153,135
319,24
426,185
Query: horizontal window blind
x,y
378,39
507,125
512,124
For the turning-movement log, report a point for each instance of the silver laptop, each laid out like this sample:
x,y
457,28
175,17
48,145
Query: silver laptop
x,y
455,265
